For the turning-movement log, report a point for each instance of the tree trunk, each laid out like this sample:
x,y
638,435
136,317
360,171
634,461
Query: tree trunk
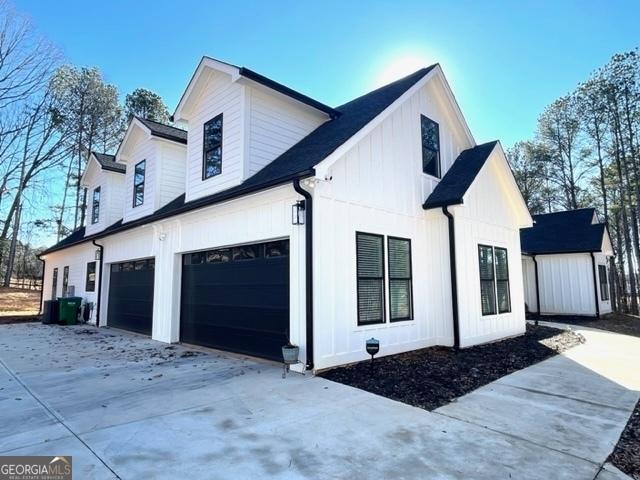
x,y
12,248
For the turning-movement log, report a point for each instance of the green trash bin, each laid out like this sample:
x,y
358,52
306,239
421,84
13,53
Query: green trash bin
x,y
69,308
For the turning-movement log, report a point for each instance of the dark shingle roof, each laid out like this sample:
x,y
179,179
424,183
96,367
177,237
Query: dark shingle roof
x,y
563,232
297,162
165,131
451,189
108,162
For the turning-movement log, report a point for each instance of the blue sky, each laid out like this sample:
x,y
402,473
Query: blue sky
x,y
505,60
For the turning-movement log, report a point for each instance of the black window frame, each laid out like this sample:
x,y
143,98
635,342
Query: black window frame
x,y
502,280
54,283
141,184
90,285
494,280
95,205
408,279
206,150
438,173
604,285
382,278
65,280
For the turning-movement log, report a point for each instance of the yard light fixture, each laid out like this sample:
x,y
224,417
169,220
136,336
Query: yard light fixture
x,y
297,213
373,347
97,254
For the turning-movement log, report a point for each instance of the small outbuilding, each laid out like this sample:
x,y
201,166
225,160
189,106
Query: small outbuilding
x,y
565,264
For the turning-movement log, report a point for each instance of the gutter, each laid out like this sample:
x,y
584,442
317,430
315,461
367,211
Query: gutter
x,y
535,264
454,277
308,243
595,284
101,247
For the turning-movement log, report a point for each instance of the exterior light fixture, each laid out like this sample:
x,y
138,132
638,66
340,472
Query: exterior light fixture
x,y
97,254
373,347
297,213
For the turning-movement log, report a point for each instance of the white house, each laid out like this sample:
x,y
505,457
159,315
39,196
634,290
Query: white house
x,y
283,219
565,263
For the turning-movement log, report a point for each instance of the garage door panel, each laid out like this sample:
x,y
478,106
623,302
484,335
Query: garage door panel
x,y
240,305
131,296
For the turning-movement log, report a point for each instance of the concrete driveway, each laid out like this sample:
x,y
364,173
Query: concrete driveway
x,y
128,407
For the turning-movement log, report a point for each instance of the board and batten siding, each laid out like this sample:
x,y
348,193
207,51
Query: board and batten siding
x,y
276,123
529,283
566,284
487,217
76,258
378,187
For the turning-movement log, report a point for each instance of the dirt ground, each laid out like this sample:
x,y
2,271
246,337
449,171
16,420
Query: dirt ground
x,y
18,302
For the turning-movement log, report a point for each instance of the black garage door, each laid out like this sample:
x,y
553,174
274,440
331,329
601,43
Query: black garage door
x,y
131,296
237,299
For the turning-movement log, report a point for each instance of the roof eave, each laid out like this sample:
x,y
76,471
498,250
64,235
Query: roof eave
x,y
444,203
188,207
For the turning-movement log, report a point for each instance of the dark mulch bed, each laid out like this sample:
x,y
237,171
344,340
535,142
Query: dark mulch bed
x,y
6,319
613,322
626,455
432,377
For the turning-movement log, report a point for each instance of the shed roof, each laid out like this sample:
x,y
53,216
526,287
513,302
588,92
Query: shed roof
x,y
451,189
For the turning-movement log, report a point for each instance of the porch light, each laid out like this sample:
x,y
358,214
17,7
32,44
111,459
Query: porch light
x,y
373,347
297,213
97,254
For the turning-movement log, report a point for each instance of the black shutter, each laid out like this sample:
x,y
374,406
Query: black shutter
x,y
370,271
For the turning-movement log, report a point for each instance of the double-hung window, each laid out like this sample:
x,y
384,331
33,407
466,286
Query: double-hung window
x,y
494,280
400,292
138,183
430,146
370,271
370,259
604,283
212,148
95,206
90,285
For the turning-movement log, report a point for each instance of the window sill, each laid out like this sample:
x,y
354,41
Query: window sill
x,y
431,177
378,326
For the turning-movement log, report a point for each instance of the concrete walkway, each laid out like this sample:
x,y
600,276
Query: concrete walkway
x,y
128,407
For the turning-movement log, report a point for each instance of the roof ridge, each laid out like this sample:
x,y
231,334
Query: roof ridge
x,y
564,211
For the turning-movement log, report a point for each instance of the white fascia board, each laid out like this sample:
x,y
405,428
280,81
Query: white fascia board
x,y
323,167
92,160
205,63
523,210
134,123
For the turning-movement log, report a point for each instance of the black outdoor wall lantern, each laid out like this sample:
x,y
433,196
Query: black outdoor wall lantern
x,y
297,213
373,347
